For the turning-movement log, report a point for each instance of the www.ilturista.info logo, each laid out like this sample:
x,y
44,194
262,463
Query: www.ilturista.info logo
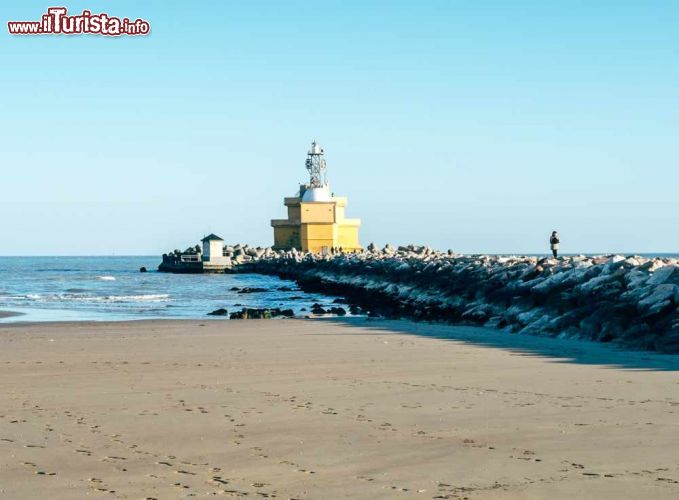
x,y
56,21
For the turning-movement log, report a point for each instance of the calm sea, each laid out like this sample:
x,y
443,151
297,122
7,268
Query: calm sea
x,y
112,288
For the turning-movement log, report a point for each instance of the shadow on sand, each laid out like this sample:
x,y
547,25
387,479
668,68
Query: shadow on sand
x,y
554,349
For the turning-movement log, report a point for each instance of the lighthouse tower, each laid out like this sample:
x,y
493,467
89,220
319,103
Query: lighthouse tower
x,y
318,188
316,221
315,164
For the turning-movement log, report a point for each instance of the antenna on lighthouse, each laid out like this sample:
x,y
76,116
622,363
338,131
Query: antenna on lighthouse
x,y
315,164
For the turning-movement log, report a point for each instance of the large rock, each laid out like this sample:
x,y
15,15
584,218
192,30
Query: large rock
x,y
665,275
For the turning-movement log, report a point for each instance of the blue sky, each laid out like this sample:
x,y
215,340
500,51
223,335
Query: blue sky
x,y
479,126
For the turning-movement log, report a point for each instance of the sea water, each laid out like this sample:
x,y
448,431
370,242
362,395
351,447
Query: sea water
x,y
112,288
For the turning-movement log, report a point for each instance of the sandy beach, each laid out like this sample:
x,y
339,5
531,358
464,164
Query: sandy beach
x,y
329,409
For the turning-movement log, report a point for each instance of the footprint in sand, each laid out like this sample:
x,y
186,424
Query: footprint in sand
x,y
365,478
573,464
105,490
236,493
396,488
305,471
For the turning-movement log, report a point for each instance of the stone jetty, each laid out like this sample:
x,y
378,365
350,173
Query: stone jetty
x,y
629,300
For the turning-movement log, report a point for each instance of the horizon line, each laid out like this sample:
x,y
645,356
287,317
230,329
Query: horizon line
x,y
528,254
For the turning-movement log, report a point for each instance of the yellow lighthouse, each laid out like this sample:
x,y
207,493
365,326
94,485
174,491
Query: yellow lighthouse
x,y
316,220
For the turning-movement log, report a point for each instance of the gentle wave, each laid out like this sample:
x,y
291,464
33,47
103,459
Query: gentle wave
x,y
49,270
106,278
72,297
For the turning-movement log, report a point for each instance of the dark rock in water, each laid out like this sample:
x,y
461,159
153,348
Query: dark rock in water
x,y
287,289
247,313
256,313
218,312
248,289
340,301
296,297
318,309
142,269
355,310
339,311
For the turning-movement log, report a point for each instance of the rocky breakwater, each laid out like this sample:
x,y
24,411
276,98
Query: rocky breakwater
x,y
630,300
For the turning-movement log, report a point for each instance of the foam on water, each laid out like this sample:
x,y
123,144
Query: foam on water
x,y
73,297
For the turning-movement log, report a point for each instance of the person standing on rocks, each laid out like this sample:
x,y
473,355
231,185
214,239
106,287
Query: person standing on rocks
x,y
554,243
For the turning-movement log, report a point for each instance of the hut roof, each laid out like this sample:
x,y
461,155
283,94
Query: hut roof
x,y
212,237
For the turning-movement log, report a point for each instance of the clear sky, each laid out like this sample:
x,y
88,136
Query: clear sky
x,y
478,125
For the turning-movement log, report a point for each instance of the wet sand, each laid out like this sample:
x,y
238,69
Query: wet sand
x,y
329,409
9,314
